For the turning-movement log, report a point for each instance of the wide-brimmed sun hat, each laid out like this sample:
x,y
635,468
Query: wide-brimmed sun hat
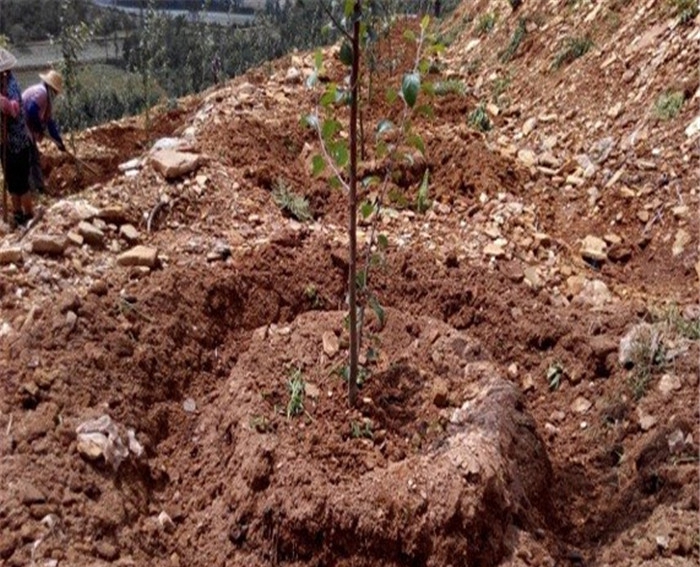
x,y
53,79
7,60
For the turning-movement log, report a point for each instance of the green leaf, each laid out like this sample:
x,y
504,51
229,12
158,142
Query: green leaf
x,y
346,54
366,209
361,280
424,66
425,22
329,129
391,95
318,164
382,242
384,126
348,8
335,183
330,96
416,141
369,181
409,35
340,153
382,149
378,311
318,60
410,86
426,110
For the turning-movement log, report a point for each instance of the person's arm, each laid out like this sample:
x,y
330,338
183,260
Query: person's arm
x,y
9,106
55,134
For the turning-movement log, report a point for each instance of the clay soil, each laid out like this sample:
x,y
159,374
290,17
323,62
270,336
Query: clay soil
x,y
589,461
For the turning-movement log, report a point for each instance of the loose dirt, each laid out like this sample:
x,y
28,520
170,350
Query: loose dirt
x,y
498,423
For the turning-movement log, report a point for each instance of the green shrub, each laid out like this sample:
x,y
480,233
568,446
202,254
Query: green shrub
x,y
515,41
669,104
479,118
486,23
685,10
574,47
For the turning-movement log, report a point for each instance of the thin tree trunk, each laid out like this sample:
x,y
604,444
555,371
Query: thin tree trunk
x,y
352,225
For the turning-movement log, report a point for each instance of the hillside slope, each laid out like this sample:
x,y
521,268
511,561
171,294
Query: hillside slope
x,y
531,399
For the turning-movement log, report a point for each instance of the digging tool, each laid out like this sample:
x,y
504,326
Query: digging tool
x,y
82,163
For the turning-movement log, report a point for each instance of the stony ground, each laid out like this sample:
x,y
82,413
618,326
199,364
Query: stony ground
x,y
533,398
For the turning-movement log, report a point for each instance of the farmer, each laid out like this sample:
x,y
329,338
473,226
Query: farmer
x,y
38,108
15,145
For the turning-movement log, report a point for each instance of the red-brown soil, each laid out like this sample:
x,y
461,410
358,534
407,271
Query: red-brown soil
x,y
467,447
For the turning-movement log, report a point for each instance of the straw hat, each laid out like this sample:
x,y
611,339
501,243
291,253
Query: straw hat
x,y
53,79
7,60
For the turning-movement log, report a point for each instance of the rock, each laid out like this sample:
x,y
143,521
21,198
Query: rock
x,y
594,293
681,211
494,250
529,125
619,253
166,522
439,393
594,248
532,278
91,234
312,390
128,165
129,233
681,240
50,244
100,438
293,76
173,164
30,494
527,158
669,383
11,255
615,110
189,405
646,421
99,288
641,337
113,214
580,405
139,256
331,345
71,319
106,550
693,128
74,239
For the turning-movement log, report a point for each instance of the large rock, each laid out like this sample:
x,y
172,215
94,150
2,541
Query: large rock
x,y
11,255
139,256
594,248
91,234
173,164
50,244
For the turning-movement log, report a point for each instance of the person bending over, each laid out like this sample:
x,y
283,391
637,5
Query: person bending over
x,y
38,108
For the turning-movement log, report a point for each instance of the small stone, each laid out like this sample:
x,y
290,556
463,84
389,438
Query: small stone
x,y
139,256
681,211
293,76
91,234
50,244
166,522
331,345
580,405
312,390
527,158
594,248
594,293
172,164
12,255
643,216
669,383
30,494
529,125
612,239
71,319
693,128
494,250
74,239
129,233
513,370
646,421
99,288
440,393
615,110
106,550
681,240
189,405
532,278
113,214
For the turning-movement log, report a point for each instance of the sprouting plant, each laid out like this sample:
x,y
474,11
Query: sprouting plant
x,y
479,118
297,389
361,430
555,373
422,200
516,39
259,423
295,205
500,84
486,23
574,47
647,357
669,104
442,88
676,322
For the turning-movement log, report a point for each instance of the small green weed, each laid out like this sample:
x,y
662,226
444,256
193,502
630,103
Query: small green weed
x,y
687,328
442,88
500,85
479,118
574,47
297,389
423,202
259,423
361,430
516,39
486,23
686,10
296,205
669,104
555,373
648,357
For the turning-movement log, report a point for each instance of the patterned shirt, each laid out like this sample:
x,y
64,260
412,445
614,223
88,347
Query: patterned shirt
x,y
16,128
